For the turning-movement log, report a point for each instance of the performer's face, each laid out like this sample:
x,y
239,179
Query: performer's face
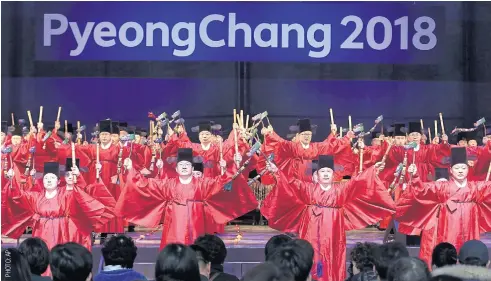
x,y
324,175
68,135
472,143
400,140
485,139
2,137
305,137
376,142
462,143
459,171
122,134
115,138
184,168
50,181
105,137
205,137
197,174
16,140
69,178
138,138
415,136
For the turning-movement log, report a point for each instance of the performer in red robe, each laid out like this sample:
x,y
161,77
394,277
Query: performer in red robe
x,y
480,167
322,212
19,155
293,158
63,140
455,211
110,167
52,211
183,201
45,149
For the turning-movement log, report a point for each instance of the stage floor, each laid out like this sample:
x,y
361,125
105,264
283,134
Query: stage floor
x,y
242,255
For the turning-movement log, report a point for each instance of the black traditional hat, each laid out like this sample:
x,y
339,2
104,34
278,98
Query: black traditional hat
x,y
459,156
52,167
400,130
441,173
326,161
69,164
17,130
198,166
131,129
185,154
105,126
376,135
115,128
204,127
69,128
123,126
304,125
414,127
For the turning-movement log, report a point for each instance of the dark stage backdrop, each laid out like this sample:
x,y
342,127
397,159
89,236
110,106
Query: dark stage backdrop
x,y
456,82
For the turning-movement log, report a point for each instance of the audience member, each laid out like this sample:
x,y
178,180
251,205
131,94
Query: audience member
x,y
304,244
203,262
274,243
119,254
266,272
444,254
14,266
384,254
362,262
71,262
474,252
177,262
36,252
293,259
408,269
217,252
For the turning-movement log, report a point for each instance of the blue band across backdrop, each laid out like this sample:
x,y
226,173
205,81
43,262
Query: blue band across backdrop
x,y
373,32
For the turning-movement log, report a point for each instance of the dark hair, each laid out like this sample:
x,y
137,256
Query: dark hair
x,y
445,278
70,262
444,254
267,272
201,254
294,259
408,269
177,262
274,243
36,252
214,246
362,255
119,250
309,250
14,266
384,254
474,261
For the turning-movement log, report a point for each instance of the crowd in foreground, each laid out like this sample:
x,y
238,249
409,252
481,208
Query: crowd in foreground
x,y
286,259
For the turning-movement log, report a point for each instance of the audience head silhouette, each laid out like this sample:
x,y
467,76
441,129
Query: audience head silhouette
x,y
14,266
71,262
177,262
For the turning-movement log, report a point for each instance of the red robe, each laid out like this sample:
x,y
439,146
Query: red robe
x,y
108,174
17,160
483,159
295,160
445,212
186,207
322,217
50,218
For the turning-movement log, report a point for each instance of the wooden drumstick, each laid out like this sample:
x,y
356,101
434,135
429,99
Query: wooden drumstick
x,y
429,135
247,122
74,162
332,116
242,118
30,118
422,126
78,132
341,132
13,120
489,172
59,114
66,126
349,121
222,169
97,159
40,114
235,116
441,123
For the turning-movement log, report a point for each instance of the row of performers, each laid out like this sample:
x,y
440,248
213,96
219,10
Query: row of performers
x,y
105,168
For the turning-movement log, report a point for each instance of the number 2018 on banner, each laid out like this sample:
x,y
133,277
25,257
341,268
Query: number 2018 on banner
x,y
424,27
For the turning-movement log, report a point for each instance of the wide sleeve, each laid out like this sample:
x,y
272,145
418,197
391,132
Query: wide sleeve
x,y
101,193
226,205
436,152
419,204
333,145
367,200
484,205
143,200
84,210
17,210
287,204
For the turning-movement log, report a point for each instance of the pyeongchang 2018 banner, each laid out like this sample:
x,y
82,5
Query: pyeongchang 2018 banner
x,y
357,32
